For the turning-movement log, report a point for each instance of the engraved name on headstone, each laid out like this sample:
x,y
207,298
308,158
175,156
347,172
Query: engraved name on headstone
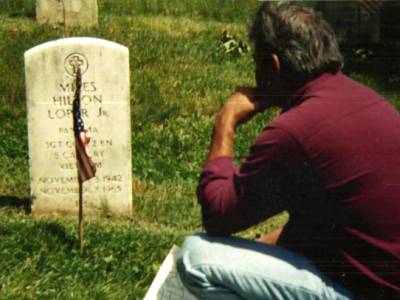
x,y
70,12
50,71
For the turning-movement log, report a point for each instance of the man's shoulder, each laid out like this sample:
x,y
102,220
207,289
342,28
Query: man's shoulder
x,y
325,102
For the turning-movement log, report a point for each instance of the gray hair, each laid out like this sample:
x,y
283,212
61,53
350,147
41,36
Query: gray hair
x,y
304,42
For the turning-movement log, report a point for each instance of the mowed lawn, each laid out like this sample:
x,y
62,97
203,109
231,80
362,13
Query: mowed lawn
x,y
180,76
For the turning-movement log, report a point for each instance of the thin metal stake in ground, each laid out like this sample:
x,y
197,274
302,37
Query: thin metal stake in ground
x,y
78,124
85,166
65,19
80,214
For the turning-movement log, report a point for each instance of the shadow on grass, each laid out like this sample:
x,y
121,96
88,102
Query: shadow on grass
x,y
58,233
11,201
30,15
48,231
18,8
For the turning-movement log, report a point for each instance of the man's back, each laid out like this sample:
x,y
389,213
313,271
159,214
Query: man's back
x,y
350,138
330,159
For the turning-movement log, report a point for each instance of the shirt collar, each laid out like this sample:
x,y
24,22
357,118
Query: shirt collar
x,y
299,95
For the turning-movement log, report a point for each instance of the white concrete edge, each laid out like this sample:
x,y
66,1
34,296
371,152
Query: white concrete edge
x,y
167,265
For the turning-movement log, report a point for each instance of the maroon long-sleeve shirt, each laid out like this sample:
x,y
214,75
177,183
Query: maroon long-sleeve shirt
x,y
333,161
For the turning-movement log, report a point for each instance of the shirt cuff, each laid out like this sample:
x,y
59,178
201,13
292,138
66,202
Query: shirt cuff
x,y
221,165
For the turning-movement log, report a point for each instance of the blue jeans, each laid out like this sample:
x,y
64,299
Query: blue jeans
x,y
234,268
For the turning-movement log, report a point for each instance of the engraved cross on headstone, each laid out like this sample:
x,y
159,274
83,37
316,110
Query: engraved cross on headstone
x,y
75,62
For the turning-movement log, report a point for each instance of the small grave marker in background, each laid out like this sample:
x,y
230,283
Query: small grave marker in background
x,y
68,12
50,71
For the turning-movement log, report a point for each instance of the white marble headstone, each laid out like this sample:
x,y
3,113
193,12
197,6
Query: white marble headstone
x,y
50,71
70,12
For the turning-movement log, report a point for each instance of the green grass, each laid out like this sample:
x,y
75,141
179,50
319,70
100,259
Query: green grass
x,y
179,79
41,259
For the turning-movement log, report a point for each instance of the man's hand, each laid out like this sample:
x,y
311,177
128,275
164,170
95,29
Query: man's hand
x,y
239,108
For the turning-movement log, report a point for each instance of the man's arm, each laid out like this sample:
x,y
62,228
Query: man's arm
x,y
239,108
234,198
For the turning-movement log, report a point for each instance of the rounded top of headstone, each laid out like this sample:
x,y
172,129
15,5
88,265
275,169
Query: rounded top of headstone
x,y
78,41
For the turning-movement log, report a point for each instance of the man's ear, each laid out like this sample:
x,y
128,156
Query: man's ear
x,y
276,64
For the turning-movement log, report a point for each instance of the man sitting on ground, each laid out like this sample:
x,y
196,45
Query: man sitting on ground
x,y
331,159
